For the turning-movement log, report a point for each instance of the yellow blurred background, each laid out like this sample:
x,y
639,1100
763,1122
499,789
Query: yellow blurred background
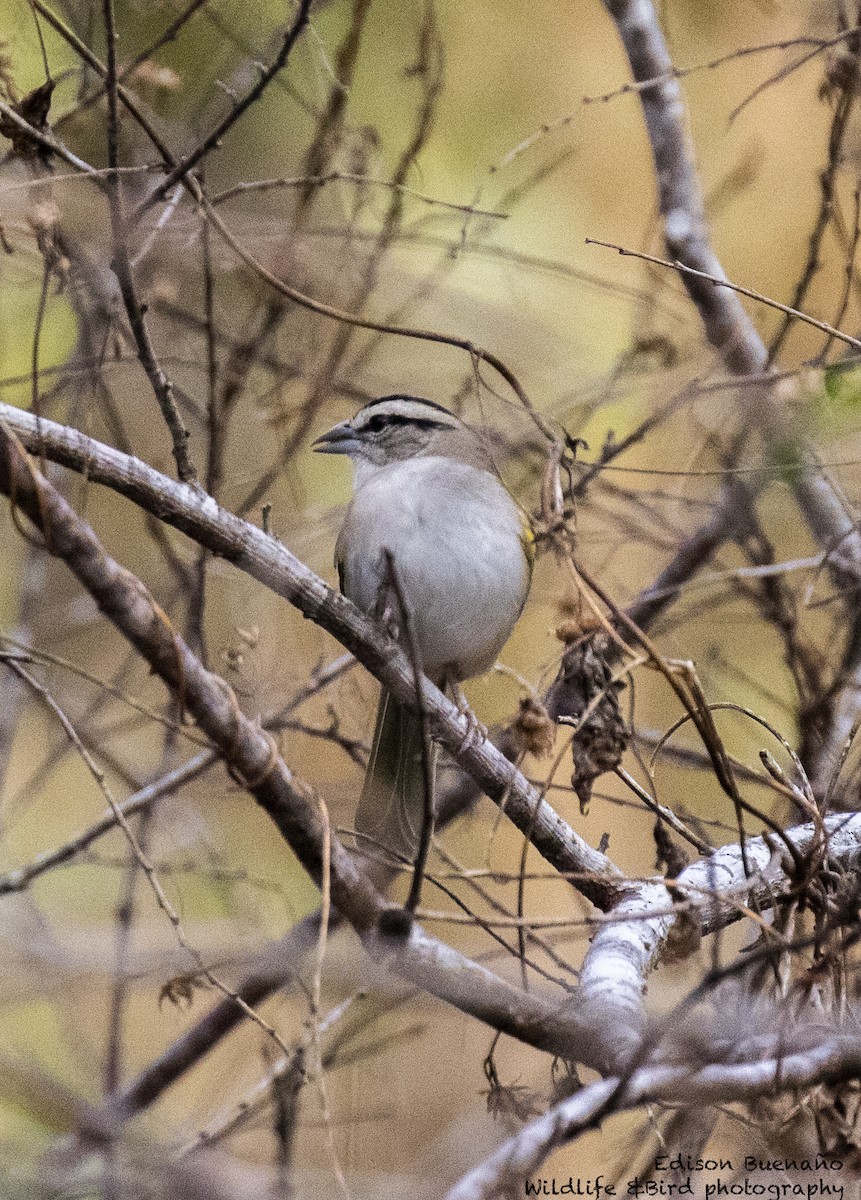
x,y
523,127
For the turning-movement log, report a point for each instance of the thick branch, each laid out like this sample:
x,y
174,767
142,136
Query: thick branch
x,y
716,890
726,323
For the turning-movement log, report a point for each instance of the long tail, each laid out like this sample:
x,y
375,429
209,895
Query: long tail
x,y
392,804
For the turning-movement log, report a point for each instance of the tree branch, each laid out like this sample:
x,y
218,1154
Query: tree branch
x,y
501,1174
727,325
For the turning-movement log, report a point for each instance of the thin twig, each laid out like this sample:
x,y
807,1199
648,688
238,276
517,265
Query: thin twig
x,y
20,877
319,181
161,385
214,138
719,282
641,85
827,184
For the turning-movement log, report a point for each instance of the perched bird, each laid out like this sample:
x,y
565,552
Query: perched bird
x,y
427,492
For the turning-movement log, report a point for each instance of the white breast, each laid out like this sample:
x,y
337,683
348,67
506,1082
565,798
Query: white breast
x,y
455,535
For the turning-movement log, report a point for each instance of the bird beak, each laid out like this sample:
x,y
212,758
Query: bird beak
x,y
340,439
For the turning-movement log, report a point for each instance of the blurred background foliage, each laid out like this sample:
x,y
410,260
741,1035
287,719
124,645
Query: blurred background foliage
x,y
519,129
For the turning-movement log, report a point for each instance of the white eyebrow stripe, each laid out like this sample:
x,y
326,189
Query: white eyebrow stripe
x,y
407,409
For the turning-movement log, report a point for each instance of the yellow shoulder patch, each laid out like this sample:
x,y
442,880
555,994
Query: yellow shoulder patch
x,y
527,539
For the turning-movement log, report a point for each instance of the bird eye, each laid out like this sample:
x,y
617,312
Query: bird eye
x,y
376,423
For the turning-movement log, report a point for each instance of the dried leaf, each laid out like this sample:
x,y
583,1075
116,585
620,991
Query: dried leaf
x,y
34,110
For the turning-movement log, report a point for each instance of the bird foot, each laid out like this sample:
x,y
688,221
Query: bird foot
x,y
475,731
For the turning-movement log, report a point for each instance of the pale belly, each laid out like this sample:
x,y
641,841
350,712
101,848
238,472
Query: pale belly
x,y
455,536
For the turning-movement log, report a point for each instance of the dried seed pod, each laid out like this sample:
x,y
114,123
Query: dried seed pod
x,y
587,695
533,728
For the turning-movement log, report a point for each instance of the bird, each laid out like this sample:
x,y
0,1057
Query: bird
x,y
428,499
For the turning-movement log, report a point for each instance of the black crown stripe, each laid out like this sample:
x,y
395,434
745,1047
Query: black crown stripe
x,y
416,399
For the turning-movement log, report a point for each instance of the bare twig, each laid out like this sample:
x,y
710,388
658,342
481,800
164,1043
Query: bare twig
x,y
818,45
727,325
827,184
111,81
722,282
20,877
161,385
318,181
183,168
